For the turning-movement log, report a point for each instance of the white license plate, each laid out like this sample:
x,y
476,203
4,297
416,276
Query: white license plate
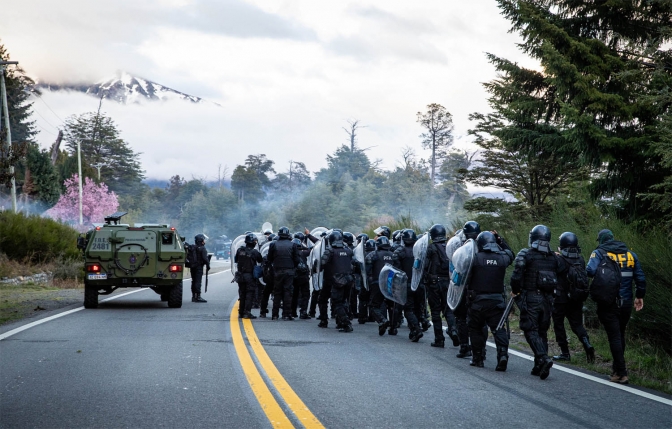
x,y
97,276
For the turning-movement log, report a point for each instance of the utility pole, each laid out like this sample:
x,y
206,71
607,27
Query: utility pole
x,y
98,166
9,131
81,192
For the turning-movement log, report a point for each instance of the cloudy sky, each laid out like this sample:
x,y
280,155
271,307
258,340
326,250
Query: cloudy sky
x,y
287,74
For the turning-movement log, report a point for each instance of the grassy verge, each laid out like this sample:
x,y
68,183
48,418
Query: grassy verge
x,y
648,366
24,300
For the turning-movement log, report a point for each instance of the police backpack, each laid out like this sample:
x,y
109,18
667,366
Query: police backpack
x,y
606,283
577,280
192,256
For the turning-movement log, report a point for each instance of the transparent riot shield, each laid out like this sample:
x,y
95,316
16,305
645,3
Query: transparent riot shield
x,y
314,261
236,244
463,260
420,255
393,284
360,257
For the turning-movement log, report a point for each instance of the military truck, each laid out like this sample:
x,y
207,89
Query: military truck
x,y
222,247
145,255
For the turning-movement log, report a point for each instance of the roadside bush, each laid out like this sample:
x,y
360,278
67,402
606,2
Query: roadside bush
x,y
35,239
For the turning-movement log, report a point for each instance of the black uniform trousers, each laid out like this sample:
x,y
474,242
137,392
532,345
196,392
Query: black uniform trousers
x,y
363,309
624,314
314,300
436,294
301,293
246,290
460,317
339,302
487,310
283,287
409,308
420,302
535,320
609,316
352,310
573,311
196,279
376,303
323,300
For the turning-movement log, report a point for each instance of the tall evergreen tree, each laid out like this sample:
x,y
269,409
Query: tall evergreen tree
x,y
604,59
438,123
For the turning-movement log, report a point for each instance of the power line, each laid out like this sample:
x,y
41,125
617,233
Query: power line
x,y
45,119
45,103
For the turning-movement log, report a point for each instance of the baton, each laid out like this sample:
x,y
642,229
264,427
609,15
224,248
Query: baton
x,y
505,316
206,274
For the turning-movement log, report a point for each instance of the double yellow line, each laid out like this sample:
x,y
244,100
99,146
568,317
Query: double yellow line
x,y
269,404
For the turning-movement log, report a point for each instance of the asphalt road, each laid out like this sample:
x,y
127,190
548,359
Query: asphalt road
x,y
134,363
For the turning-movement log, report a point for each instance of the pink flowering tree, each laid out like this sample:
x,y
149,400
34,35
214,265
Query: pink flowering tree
x,y
97,202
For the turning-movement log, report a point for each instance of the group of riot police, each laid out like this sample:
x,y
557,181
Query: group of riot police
x,y
540,287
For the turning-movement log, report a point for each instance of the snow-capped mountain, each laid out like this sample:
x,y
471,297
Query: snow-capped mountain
x,y
125,88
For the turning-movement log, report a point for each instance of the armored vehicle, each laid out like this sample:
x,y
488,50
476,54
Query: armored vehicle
x,y
145,255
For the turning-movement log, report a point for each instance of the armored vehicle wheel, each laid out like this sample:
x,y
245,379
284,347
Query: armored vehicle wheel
x,y
90,297
175,296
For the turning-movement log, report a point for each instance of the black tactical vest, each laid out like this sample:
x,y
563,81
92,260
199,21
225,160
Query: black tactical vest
x,y
340,261
536,261
488,272
439,260
245,263
384,257
407,262
283,255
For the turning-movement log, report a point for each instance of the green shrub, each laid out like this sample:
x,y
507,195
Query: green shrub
x,y
35,239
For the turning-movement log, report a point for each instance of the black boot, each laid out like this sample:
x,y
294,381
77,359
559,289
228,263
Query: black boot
x,y
545,370
564,354
249,315
465,351
382,327
590,350
198,298
193,297
536,369
454,336
438,342
415,335
502,358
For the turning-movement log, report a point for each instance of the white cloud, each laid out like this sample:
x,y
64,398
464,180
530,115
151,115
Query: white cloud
x,y
287,74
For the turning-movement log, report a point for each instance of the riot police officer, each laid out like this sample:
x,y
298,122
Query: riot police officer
x,y
375,261
268,276
283,256
246,258
436,277
364,311
351,300
301,293
457,319
403,259
485,297
196,268
534,280
569,307
336,262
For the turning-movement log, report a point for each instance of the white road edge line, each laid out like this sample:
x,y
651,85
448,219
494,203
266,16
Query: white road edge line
x,y
589,377
65,313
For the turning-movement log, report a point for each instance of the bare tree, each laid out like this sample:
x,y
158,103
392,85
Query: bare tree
x,y
353,126
438,123
221,174
408,155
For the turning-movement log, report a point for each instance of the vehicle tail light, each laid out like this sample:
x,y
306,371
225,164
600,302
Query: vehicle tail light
x,y
174,268
93,268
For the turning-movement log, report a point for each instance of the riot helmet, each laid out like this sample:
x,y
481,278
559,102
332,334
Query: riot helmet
x,y
487,242
250,239
296,241
275,237
268,231
336,239
540,236
408,236
348,238
569,245
323,234
383,231
471,229
369,245
283,232
200,239
382,242
248,232
396,236
362,237
300,236
437,233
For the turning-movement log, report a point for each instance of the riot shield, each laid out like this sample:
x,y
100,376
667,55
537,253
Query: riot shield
x,y
316,232
420,254
463,259
264,254
360,257
314,261
265,226
236,244
393,284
